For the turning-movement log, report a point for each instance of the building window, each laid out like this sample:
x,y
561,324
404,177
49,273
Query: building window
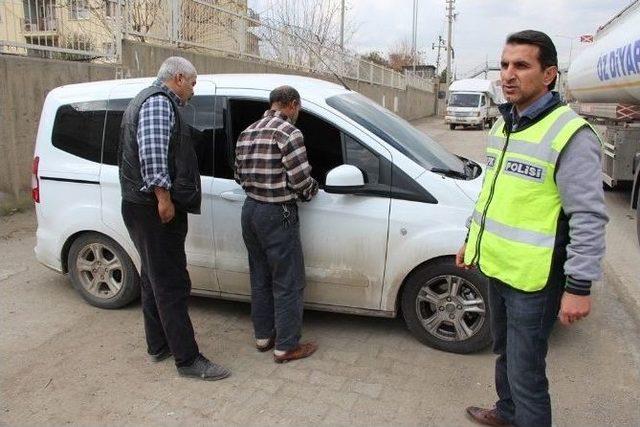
x,y
111,8
109,48
79,9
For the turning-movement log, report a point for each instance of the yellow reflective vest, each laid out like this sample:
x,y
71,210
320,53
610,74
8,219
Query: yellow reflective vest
x,y
514,225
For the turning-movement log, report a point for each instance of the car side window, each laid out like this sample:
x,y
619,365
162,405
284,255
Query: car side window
x,y
78,127
382,178
483,101
321,139
199,114
112,130
361,157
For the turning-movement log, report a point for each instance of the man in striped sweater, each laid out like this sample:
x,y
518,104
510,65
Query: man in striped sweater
x,y
271,165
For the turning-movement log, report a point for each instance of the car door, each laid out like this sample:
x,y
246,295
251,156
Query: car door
x,y
343,235
199,115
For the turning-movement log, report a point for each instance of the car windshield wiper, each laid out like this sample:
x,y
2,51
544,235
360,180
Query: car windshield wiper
x,y
449,172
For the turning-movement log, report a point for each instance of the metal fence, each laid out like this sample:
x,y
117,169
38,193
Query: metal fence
x,y
93,30
61,29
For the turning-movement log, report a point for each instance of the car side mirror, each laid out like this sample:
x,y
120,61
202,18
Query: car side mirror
x,y
344,179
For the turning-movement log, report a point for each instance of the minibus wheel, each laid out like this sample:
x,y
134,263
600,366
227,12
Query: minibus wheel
x,y
102,272
447,308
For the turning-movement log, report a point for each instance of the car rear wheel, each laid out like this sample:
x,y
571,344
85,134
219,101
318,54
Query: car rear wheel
x,y
102,272
452,126
447,308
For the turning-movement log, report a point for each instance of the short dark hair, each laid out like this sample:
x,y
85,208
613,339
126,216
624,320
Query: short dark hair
x,y
283,95
547,54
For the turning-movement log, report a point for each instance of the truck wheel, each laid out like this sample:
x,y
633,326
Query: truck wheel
x,y
102,272
452,126
447,308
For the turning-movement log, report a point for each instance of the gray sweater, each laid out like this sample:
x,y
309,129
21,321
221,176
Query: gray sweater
x,y
579,181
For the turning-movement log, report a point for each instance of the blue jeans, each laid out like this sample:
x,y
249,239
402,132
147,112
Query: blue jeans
x,y
520,324
271,233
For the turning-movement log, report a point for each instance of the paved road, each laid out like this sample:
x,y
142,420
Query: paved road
x,y
64,361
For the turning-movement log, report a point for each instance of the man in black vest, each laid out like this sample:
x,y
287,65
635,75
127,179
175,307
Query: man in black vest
x,y
160,184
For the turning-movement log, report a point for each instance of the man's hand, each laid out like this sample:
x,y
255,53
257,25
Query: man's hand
x,y
460,258
574,307
166,209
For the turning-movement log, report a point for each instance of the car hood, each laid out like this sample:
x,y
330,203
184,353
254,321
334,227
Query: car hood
x,y
471,188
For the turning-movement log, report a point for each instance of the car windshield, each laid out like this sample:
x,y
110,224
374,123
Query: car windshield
x,y
397,132
464,100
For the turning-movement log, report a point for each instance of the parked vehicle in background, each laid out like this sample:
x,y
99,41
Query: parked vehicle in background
x,y
473,102
605,80
380,236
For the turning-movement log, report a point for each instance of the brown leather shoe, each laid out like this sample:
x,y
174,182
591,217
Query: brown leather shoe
x,y
268,346
300,352
488,417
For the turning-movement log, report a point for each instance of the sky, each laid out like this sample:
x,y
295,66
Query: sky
x,y
480,27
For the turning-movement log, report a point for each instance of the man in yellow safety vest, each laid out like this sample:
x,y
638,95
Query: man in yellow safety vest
x,y
537,230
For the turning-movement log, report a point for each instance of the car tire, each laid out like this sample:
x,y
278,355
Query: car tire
x,y
102,272
447,308
452,126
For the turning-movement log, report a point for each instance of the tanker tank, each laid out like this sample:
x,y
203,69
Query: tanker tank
x,y
608,71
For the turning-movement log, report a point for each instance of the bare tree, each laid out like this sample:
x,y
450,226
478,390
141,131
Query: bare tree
x,y
376,57
99,18
401,55
212,23
301,31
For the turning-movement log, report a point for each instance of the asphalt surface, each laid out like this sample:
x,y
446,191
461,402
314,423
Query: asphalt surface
x,y
65,362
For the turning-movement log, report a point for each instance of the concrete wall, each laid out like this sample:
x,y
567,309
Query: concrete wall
x,y
28,80
25,84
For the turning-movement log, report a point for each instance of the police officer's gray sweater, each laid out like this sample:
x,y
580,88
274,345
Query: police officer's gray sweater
x,y
579,181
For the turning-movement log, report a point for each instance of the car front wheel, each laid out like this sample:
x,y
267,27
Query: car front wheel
x,y
447,308
102,272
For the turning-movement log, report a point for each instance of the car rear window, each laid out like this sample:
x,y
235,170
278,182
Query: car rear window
x,y
78,129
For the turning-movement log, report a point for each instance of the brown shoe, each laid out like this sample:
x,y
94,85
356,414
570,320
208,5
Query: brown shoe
x,y
268,346
300,352
488,417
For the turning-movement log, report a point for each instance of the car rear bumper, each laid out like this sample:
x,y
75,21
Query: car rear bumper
x,y
47,251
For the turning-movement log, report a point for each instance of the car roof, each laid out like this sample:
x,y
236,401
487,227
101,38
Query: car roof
x,y
315,90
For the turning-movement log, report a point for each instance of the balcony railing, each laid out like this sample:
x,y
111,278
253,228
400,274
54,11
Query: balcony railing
x,y
40,25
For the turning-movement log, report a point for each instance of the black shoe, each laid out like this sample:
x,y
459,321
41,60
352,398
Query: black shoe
x,y
204,369
163,354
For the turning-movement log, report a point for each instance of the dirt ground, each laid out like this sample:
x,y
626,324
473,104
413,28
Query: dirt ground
x,y
65,362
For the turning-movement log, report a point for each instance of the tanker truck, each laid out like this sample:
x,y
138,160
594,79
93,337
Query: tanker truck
x,y
604,79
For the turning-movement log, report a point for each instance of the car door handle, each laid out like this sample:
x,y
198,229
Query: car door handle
x,y
233,196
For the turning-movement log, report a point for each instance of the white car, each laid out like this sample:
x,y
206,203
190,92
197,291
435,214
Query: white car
x,y
379,238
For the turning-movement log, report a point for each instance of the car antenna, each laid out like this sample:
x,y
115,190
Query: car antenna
x,y
322,60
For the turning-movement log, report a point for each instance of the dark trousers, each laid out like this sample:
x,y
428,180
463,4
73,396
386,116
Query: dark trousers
x,y
165,283
521,324
271,233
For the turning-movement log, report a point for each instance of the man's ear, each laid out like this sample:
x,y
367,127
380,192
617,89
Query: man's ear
x,y
550,73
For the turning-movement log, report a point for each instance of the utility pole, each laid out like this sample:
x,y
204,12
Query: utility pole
x,y
440,47
450,17
342,26
414,36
